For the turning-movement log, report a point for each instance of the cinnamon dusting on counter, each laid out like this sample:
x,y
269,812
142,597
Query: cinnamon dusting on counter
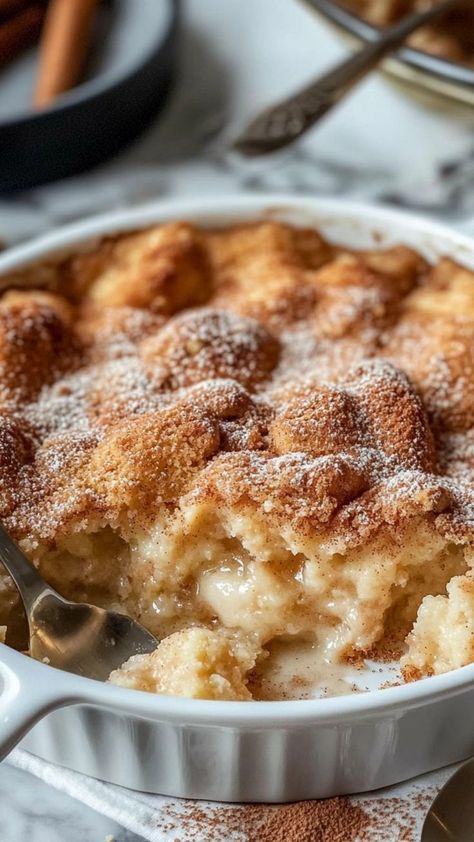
x,y
344,819
330,820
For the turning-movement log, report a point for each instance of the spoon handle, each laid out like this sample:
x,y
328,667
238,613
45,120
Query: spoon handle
x,y
23,572
284,122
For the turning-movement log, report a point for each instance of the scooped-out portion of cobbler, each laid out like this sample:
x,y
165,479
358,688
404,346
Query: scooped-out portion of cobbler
x,y
253,441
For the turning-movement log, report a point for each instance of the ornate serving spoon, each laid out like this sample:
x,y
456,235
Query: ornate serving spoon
x,y
286,121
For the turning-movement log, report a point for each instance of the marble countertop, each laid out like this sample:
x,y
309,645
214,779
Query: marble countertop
x,y
32,811
380,145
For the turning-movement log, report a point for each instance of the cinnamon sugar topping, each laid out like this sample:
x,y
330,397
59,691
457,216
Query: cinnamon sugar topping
x,y
257,371
344,435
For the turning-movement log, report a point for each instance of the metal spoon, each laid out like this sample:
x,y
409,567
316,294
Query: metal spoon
x,y
450,818
284,122
72,636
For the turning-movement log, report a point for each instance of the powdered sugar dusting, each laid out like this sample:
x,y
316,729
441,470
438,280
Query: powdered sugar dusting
x,y
354,412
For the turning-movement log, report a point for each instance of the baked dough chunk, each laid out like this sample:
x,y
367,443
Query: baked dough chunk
x,y
443,635
210,344
36,342
163,269
197,663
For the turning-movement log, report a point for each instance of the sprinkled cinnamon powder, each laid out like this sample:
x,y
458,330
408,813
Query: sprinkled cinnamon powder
x,y
329,820
366,818
347,442
332,820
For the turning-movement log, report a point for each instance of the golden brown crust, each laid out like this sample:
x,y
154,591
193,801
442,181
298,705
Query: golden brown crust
x,y
150,459
112,332
316,420
413,674
318,388
36,343
374,406
266,270
209,344
359,294
17,449
163,269
393,415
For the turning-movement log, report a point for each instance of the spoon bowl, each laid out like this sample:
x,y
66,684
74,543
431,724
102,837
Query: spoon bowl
x,y
82,638
72,636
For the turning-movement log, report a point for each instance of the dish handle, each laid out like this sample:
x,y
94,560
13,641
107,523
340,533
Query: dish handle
x,y
27,695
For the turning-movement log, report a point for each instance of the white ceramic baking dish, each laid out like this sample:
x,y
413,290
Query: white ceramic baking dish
x,y
242,751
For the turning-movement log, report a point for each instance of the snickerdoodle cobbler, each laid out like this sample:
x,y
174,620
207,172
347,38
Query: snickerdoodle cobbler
x,y
251,440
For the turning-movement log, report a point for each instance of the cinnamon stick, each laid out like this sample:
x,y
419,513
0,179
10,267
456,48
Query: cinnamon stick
x,y
19,31
64,43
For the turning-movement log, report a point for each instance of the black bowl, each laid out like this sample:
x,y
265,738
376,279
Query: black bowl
x,y
127,78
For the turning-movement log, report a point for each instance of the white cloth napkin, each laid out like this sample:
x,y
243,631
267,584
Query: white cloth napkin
x,y
395,813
